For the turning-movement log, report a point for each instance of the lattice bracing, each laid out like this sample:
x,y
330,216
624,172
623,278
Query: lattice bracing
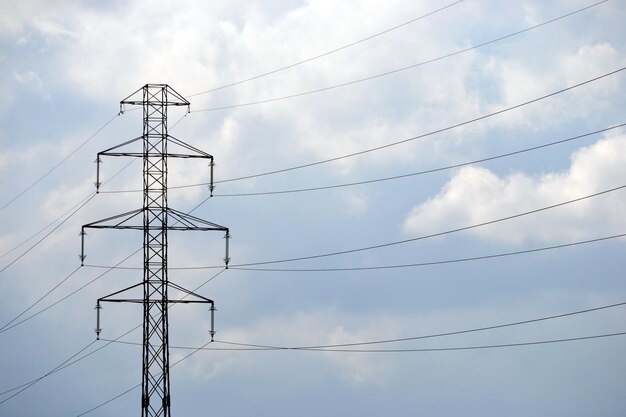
x,y
156,220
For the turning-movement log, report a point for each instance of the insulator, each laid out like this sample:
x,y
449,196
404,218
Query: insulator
x,y
98,329
98,183
82,246
211,186
212,332
227,257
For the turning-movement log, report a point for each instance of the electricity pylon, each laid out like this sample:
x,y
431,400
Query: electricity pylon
x,y
158,219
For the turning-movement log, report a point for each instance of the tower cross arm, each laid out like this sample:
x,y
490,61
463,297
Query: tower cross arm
x,y
154,94
121,224
189,222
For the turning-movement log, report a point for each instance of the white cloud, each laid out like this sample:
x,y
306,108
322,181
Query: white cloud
x,y
32,80
324,326
193,51
332,326
51,28
517,81
359,369
590,61
89,55
63,199
474,195
587,62
15,16
4,161
19,16
356,203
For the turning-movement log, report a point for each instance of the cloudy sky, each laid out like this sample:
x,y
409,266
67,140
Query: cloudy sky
x,y
486,139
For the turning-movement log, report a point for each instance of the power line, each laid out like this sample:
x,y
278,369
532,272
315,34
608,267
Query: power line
x,y
347,350
48,234
330,348
58,164
110,400
67,363
395,177
410,338
453,333
256,77
441,349
432,235
91,195
13,249
276,348
252,103
7,327
39,300
26,386
423,135
412,174
432,263
396,266
456,348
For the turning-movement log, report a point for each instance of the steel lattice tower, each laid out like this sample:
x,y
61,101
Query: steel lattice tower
x,y
158,218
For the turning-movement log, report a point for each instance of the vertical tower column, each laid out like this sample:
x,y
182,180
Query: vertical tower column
x,y
155,369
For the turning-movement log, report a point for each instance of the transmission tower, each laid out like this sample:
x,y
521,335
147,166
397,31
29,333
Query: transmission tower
x,y
158,219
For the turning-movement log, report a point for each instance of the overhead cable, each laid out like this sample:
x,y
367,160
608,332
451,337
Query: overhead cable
x,y
81,203
423,135
350,350
49,233
65,364
31,237
256,77
6,326
395,177
444,334
410,338
110,400
319,90
439,349
59,163
39,300
476,347
432,263
412,174
432,235
346,347
395,266
82,287
26,386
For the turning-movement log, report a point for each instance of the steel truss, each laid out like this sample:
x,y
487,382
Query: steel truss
x,y
157,220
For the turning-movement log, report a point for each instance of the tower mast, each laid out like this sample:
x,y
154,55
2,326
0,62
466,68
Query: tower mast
x,y
157,219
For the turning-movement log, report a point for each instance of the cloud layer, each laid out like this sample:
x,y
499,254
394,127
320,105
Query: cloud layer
x,y
476,195
64,67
